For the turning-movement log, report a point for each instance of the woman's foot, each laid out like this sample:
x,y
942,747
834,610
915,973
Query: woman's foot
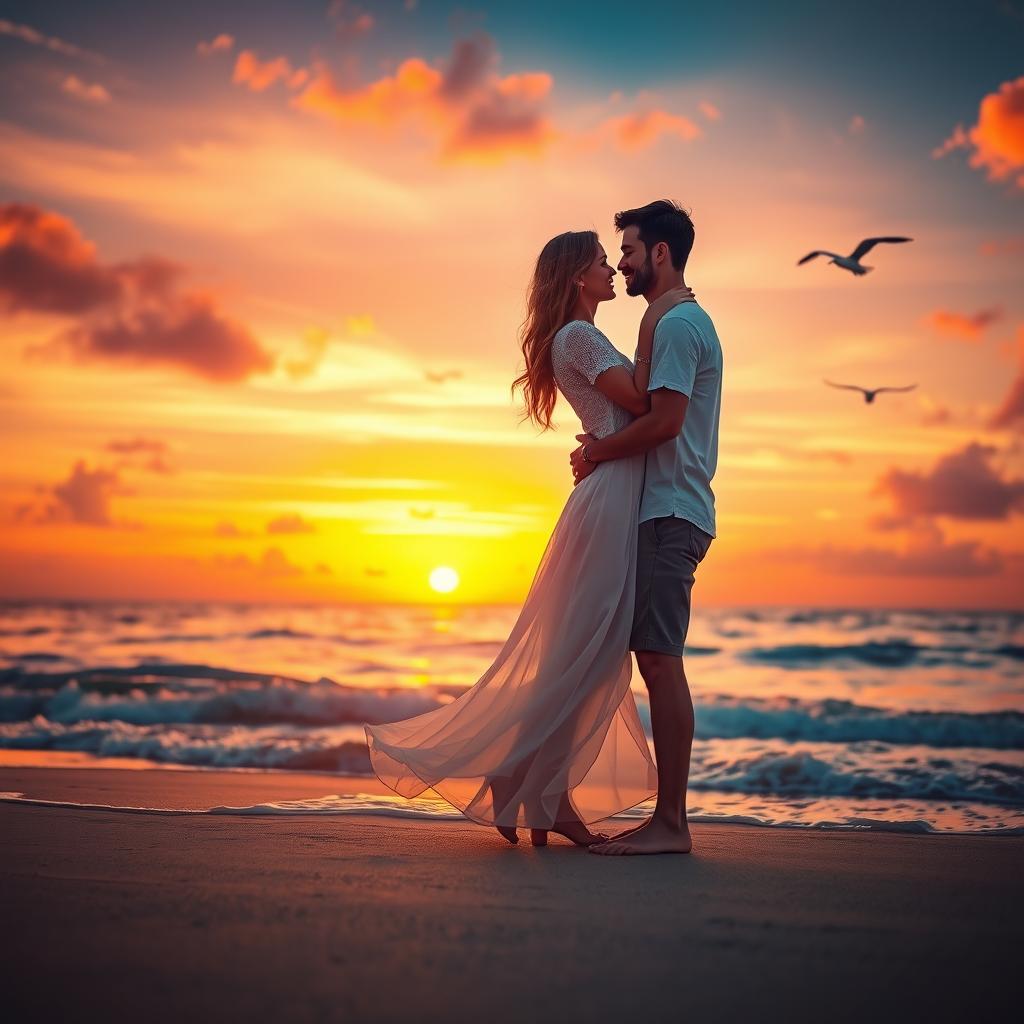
x,y
575,832
509,833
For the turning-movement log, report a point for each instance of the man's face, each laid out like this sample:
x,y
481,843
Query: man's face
x,y
635,265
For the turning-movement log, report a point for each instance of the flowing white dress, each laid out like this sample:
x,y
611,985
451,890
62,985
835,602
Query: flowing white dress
x,y
550,732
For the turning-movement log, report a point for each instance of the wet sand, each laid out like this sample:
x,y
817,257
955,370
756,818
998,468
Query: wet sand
x,y
160,917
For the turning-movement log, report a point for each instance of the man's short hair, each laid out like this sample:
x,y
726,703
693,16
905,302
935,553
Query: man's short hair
x,y
661,221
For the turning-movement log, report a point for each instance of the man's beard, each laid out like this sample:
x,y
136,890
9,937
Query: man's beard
x,y
642,279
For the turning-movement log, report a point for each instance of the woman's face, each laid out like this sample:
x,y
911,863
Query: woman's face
x,y
598,278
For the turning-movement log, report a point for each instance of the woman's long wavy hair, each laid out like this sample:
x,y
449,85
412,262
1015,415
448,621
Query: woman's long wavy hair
x,y
552,294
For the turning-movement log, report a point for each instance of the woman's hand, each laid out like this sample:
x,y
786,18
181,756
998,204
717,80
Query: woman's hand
x,y
581,468
669,300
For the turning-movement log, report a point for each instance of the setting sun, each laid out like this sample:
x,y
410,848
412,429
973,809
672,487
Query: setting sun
x,y
444,579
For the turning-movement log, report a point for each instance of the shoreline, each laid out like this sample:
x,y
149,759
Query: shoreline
x,y
132,785
371,918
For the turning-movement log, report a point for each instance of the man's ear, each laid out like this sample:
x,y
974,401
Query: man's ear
x,y
660,252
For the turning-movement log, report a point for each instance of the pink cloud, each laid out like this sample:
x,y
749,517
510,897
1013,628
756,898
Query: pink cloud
x,y
46,265
130,312
219,44
34,37
350,21
90,93
962,485
997,140
709,110
188,333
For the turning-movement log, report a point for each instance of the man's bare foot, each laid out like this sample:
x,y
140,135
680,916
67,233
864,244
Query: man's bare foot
x,y
653,837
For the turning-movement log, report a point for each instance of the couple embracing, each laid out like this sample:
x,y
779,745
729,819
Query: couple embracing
x,y
549,738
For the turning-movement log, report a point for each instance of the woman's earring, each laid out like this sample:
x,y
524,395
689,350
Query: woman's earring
x,y
580,283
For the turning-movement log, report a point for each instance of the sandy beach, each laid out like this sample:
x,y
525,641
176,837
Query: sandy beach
x,y
163,917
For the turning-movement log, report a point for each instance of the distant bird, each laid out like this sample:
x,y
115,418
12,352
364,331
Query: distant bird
x,y
375,572
852,262
440,376
868,393
421,513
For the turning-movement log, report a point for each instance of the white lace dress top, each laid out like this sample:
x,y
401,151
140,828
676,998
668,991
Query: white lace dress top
x,y
579,354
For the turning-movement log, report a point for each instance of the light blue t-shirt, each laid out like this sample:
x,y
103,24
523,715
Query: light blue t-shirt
x,y
687,358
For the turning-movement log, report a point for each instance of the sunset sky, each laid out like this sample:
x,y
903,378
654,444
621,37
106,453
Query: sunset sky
x,y
262,267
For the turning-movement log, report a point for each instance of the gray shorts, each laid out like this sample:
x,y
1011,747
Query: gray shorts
x,y
668,552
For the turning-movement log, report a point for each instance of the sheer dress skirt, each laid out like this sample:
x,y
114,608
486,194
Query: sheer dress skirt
x,y
550,732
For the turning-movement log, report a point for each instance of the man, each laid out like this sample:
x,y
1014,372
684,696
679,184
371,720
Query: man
x,y
677,510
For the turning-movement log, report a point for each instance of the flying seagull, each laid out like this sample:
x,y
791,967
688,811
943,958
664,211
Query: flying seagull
x,y
440,376
852,262
869,394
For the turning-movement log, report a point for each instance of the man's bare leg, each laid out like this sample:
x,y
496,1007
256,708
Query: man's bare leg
x,y
667,830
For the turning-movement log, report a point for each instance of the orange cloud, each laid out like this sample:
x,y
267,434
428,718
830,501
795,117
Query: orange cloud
x,y
639,130
472,110
292,523
156,450
969,327
1012,246
225,527
273,562
998,137
94,93
709,110
1012,408
219,44
132,312
84,497
259,75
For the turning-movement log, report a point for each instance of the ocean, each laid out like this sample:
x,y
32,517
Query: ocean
x,y
805,718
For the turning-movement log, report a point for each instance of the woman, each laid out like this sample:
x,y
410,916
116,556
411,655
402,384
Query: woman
x,y
549,737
